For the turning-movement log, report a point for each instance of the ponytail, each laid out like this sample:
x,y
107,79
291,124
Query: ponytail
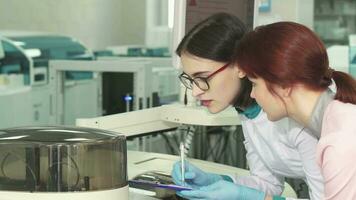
x,y
346,87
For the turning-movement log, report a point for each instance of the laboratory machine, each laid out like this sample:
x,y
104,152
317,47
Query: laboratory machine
x,y
164,85
24,58
128,84
56,163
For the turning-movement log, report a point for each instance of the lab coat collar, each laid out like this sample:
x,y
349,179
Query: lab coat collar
x,y
250,112
316,119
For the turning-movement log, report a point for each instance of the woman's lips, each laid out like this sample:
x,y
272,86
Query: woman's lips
x,y
205,102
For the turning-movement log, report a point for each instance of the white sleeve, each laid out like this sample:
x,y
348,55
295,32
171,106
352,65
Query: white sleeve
x,y
261,177
306,145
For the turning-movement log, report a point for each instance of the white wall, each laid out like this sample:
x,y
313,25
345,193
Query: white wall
x,y
133,21
97,23
102,23
305,13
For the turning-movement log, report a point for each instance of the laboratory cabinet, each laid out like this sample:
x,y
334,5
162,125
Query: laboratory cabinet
x,y
335,20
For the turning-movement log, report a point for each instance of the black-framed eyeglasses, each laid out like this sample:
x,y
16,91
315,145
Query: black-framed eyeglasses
x,y
201,82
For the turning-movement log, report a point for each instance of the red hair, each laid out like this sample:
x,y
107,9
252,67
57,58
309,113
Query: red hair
x,y
288,53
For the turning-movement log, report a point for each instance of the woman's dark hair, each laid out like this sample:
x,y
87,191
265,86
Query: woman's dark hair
x,y
216,38
288,53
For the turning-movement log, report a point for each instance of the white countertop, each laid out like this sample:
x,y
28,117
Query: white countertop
x,y
140,162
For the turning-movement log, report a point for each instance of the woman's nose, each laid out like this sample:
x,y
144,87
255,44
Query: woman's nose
x,y
196,91
252,94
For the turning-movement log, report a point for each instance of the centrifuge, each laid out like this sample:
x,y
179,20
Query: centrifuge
x,y
52,163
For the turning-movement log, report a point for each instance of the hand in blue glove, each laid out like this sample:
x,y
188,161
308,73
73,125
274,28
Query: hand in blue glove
x,y
223,190
194,177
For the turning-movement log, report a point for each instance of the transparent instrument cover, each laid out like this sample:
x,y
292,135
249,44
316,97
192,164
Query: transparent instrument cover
x,y
61,159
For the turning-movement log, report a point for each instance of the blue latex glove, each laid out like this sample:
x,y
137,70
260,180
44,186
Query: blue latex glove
x,y
223,190
194,177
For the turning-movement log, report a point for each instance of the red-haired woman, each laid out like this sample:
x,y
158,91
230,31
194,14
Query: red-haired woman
x,y
289,68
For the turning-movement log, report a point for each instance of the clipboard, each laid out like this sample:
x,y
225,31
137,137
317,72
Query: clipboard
x,y
159,185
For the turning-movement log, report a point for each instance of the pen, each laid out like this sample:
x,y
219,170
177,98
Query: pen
x,y
181,147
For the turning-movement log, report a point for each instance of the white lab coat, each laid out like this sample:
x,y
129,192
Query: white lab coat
x,y
276,150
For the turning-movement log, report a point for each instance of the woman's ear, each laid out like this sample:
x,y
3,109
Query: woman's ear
x,y
287,91
240,73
